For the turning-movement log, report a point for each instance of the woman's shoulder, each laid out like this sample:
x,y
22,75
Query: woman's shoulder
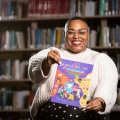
x,y
100,56
97,54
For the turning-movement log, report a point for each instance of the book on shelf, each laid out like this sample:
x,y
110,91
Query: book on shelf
x,y
72,83
6,98
4,9
2,70
89,9
78,8
23,69
44,38
93,38
106,8
49,37
109,7
32,8
20,39
16,69
19,99
38,38
105,35
59,37
12,99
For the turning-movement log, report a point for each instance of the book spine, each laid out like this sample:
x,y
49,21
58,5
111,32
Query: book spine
x,y
101,7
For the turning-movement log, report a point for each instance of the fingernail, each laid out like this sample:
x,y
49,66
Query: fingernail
x,y
60,62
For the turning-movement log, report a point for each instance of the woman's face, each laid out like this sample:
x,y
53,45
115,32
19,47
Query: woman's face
x,y
76,36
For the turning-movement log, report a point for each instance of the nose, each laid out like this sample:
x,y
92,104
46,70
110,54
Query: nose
x,y
76,35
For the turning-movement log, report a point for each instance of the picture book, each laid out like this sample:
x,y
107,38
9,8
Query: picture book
x,y
72,83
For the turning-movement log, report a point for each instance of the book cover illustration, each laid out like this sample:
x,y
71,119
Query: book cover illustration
x,y
72,83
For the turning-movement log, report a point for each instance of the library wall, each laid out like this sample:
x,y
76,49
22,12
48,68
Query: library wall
x,y
28,26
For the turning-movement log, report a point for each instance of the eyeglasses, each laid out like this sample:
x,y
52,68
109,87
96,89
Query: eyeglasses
x,y
80,33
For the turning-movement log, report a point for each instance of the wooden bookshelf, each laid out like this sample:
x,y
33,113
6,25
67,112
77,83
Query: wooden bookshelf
x,y
16,84
57,20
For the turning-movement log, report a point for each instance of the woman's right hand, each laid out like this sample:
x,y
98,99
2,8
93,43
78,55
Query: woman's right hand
x,y
53,57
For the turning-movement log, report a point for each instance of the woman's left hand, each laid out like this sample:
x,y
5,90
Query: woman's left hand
x,y
95,104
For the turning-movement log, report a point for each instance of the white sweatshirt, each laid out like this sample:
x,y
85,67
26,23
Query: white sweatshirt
x,y
104,76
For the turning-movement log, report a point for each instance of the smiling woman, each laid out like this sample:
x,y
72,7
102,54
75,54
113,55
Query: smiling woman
x,y
76,42
42,70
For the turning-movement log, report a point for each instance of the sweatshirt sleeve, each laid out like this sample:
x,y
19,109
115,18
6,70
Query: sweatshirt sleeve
x,y
108,79
35,72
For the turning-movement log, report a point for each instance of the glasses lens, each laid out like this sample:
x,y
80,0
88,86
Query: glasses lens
x,y
70,34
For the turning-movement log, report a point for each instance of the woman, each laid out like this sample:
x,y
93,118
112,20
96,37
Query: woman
x,y
103,89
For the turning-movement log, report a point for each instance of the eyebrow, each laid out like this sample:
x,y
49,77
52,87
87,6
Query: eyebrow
x,y
78,30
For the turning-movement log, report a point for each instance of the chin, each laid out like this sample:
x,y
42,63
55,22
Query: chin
x,y
75,51
78,50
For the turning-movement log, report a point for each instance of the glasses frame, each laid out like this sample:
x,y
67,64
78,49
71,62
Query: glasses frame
x,y
79,31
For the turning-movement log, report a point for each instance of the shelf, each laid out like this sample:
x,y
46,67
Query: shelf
x,y
53,21
15,81
56,18
16,84
105,48
15,110
19,50
26,53
36,50
22,54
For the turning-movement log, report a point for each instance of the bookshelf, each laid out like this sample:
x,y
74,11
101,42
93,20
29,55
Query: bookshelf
x,y
23,19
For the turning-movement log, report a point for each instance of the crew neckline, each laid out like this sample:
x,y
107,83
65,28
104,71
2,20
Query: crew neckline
x,y
83,54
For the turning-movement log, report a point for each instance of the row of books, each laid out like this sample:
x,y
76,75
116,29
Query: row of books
x,y
99,7
16,69
36,38
12,39
42,8
12,9
73,7
13,69
109,7
44,37
105,36
15,100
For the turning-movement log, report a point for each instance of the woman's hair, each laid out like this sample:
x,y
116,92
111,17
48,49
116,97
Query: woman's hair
x,y
74,18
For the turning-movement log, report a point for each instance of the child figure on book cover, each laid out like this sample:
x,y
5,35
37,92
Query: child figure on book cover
x,y
67,87
102,73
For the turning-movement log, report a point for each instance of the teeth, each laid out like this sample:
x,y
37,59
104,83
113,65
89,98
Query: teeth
x,y
76,42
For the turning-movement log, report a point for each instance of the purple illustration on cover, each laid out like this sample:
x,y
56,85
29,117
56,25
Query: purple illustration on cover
x,y
72,83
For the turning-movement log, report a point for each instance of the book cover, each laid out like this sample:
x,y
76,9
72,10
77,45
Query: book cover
x,y
72,83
